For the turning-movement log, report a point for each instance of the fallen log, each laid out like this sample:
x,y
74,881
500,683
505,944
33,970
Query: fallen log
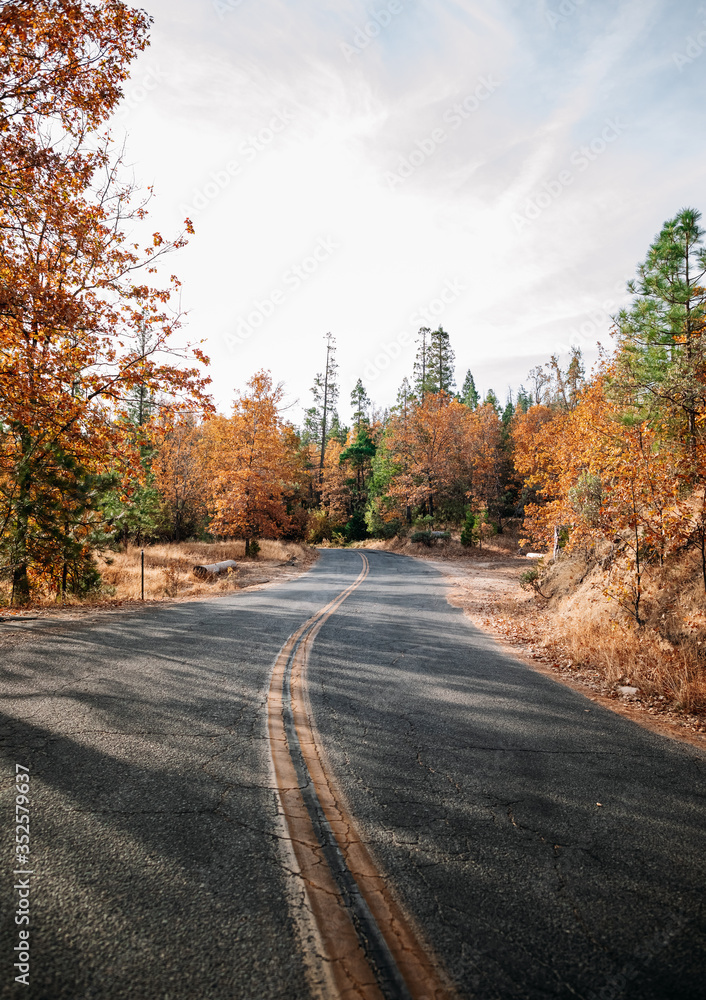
x,y
209,570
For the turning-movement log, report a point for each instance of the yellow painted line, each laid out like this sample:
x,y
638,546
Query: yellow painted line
x,y
350,973
418,974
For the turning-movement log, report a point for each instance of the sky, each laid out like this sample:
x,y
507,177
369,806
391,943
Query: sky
x,y
496,167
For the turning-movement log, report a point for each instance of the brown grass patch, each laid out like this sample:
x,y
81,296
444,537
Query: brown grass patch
x,y
169,571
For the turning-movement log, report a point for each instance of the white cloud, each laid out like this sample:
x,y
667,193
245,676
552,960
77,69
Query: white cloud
x,y
224,76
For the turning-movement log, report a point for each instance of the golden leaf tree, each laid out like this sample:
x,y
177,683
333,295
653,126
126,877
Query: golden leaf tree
x,y
252,464
78,333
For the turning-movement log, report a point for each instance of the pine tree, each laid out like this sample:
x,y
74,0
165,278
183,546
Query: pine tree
x,y
492,400
405,399
509,412
141,403
441,363
469,394
337,431
662,358
360,401
524,399
421,364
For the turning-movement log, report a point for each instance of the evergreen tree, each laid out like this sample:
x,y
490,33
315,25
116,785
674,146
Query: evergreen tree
x,y
141,402
469,394
421,364
441,363
492,400
662,357
508,413
337,431
360,401
524,399
405,400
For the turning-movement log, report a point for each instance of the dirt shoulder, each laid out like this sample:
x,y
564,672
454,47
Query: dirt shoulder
x,y
486,586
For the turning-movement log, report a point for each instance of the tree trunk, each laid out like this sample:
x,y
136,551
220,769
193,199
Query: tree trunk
x,y
20,577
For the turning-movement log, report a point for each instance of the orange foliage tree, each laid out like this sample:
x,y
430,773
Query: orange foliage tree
x,y
179,473
441,453
604,473
78,334
253,465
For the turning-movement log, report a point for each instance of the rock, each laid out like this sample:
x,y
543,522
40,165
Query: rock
x,y
627,692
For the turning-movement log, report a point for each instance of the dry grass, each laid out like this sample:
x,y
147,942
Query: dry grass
x,y
169,571
666,658
169,568
584,634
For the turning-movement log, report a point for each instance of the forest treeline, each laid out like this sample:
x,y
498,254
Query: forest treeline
x,y
109,436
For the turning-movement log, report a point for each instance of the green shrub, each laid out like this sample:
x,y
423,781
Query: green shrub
x,y
355,530
422,537
468,537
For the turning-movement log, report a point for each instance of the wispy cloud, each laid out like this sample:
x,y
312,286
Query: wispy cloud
x,y
477,154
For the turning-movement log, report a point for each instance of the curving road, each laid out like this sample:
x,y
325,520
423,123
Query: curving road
x,y
511,838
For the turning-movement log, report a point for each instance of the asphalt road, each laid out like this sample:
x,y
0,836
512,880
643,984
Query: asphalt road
x,y
159,870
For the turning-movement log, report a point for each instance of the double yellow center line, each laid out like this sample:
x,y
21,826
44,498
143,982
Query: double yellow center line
x,y
372,950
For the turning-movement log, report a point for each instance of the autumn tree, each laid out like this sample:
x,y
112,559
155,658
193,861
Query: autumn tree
x,y
71,312
608,476
251,464
438,455
180,479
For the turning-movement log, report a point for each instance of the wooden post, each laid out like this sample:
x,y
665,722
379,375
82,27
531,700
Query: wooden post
x,y
142,563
